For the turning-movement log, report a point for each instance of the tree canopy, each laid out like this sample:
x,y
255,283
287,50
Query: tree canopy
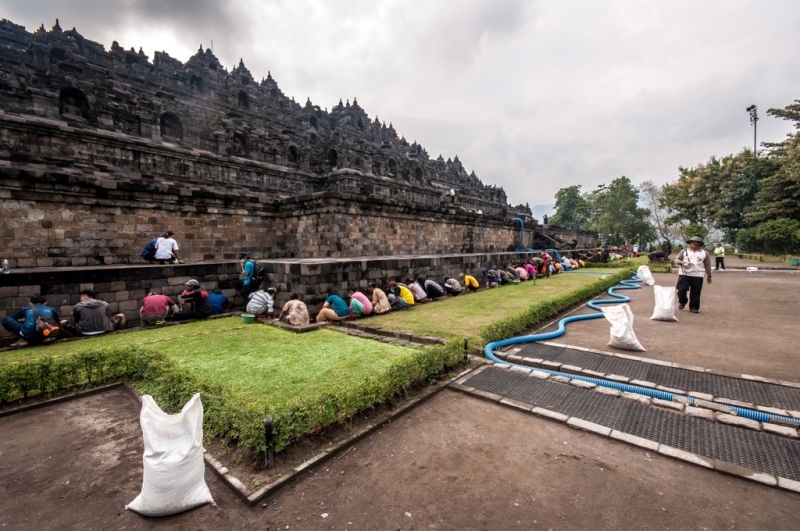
x,y
750,199
612,211
569,205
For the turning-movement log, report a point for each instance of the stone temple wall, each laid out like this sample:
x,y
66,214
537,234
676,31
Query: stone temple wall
x,y
67,98
56,217
102,150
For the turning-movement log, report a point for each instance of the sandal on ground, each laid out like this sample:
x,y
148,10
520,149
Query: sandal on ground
x,y
19,344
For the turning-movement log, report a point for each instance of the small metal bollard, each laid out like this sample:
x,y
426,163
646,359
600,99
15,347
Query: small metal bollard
x,y
269,458
466,348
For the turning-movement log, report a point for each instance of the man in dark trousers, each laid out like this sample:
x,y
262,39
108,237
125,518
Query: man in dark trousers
x,y
693,263
26,330
91,317
201,306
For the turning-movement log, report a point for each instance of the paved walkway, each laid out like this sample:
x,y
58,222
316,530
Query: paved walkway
x,y
747,325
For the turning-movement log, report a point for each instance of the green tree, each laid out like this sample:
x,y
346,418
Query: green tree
x,y
779,194
778,235
719,193
693,229
617,216
569,205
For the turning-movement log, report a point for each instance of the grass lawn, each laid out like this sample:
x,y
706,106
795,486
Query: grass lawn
x,y
246,373
257,361
465,315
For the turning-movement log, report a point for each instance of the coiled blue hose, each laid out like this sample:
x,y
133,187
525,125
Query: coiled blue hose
x,y
488,351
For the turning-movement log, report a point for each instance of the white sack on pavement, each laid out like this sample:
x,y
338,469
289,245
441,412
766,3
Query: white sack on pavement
x,y
621,319
665,304
174,469
644,273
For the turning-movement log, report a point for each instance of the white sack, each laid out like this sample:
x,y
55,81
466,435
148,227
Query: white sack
x,y
644,273
621,319
174,470
665,304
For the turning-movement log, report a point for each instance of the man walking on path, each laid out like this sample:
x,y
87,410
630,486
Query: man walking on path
x,y
719,253
693,264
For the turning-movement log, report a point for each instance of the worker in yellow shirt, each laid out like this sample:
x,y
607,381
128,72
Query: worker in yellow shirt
x,y
469,282
719,254
400,296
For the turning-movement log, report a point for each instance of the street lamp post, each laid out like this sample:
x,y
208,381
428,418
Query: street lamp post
x,y
753,110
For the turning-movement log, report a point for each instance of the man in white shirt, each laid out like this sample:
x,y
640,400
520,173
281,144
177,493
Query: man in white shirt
x,y
167,249
693,263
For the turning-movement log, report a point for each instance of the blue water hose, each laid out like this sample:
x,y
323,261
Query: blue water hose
x,y
519,248
488,351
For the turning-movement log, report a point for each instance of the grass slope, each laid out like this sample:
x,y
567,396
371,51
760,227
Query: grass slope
x,y
467,315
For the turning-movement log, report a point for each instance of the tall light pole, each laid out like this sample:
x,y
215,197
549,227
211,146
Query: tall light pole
x,y
753,110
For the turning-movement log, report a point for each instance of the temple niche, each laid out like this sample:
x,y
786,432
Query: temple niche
x,y
200,105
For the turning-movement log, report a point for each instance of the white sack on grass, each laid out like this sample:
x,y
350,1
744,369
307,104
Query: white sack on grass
x,y
644,273
174,470
665,304
621,319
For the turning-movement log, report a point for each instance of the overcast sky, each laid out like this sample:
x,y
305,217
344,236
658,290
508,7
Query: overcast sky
x,y
534,96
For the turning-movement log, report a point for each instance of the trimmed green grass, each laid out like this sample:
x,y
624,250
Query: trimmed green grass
x,y
269,363
246,373
243,373
467,314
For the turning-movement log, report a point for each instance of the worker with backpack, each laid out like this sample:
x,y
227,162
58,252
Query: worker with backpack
x,y
252,275
40,323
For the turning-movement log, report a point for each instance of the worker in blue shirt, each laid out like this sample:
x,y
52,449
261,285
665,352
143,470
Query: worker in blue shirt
x,y
23,323
219,302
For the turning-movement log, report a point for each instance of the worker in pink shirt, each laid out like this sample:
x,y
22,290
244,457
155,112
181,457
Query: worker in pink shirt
x,y
366,305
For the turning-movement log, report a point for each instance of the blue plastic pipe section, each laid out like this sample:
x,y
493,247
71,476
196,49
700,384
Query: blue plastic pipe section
x,y
522,238
759,416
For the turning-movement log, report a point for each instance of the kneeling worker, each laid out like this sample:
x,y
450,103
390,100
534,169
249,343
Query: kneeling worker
x,y
262,302
470,283
334,309
294,312
198,299
90,317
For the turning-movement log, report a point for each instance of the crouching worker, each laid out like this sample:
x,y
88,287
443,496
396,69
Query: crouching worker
x,y
400,296
492,278
262,302
380,303
219,302
432,288
91,317
155,309
470,283
294,312
23,323
195,297
452,286
359,303
334,309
